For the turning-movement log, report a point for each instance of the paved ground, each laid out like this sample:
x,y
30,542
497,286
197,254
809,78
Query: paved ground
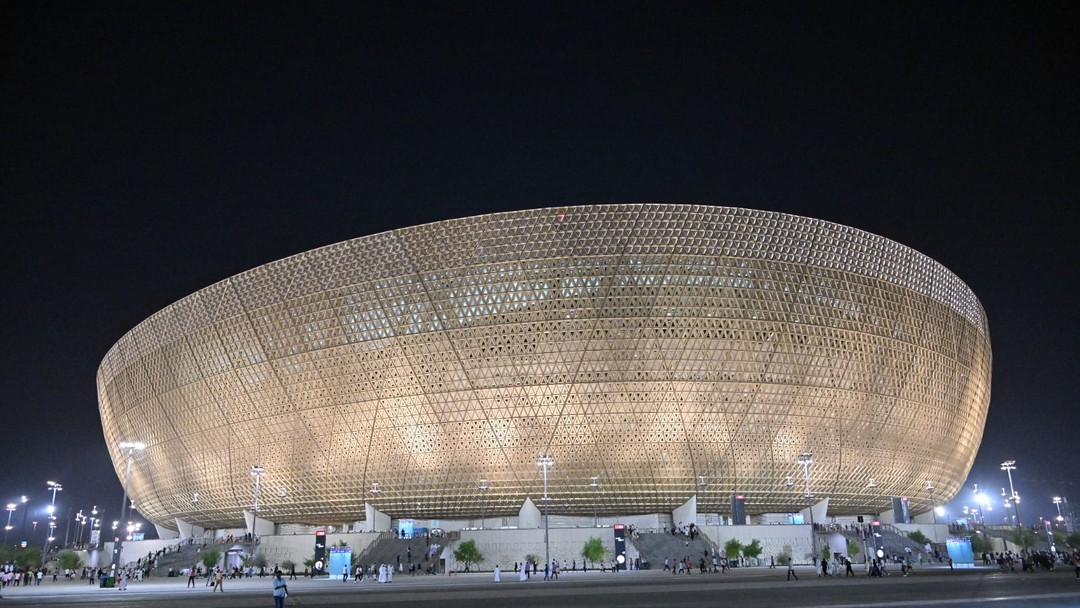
x,y
747,588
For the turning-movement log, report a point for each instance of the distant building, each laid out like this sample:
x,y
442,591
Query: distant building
x,y
668,351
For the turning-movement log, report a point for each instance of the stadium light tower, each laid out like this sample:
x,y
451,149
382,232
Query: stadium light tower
x,y
118,546
545,461
54,486
1009,466
257,471
806,459
12,506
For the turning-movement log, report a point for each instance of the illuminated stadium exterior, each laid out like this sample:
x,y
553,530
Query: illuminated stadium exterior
x,y
669,351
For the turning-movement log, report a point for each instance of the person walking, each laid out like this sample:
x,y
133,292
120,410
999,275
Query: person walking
x,y
345,574
791,570
281,590
219,576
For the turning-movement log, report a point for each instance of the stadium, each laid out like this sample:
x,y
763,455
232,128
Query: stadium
x,y
659,354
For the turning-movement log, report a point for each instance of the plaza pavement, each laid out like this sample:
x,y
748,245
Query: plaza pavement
x,y
745,587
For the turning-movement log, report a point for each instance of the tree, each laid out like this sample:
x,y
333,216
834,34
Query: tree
x,y
287,565
1073,540
826,552
918,537
593,550
979,543
260,562
211,557
342,544
783,559
853,548
28,558
753,550
732,548
1027,540
69,560
468,553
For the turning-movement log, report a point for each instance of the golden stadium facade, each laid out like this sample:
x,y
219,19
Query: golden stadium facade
x,y
655,351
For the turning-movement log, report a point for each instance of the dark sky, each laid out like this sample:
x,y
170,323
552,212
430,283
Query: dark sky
x,y
150,149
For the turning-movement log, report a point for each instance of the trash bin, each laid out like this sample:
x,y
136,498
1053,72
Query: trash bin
x,y
107,582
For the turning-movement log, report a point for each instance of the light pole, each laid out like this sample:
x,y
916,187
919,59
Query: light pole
x,y
545,461
595,485
12,505
806,459
257,472
95,523
80,527
22,532
118,546
55,486
930,491
1057,503
483,509
1009,466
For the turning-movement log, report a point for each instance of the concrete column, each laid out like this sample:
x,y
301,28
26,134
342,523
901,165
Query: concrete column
x,y
529,515
821,511
261,526
375,520
165,532
686,513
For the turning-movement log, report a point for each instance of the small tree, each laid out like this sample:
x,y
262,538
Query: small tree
x,y
532,559
287,565
593,550
309,563
826,552
260,562
468,553
980,544
918,537
732,548
1028,539
853,548
753,550
1073,540
69,560
211,557
28,558
783,559
342,544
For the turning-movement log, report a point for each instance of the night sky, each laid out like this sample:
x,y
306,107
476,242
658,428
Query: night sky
x,y
151,149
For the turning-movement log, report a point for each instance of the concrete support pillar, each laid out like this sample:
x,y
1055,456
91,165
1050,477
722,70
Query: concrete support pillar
x,y
164,533
686,513
375,520
529,515
187,530
260,526
821,511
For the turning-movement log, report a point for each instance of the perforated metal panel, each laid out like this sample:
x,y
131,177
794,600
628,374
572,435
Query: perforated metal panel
x,y
669,350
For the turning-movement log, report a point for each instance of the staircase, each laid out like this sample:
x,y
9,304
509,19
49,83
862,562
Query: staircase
x,y
654,547
387,549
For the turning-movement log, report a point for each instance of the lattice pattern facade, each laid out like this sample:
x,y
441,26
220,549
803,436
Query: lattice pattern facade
x,y
668,350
